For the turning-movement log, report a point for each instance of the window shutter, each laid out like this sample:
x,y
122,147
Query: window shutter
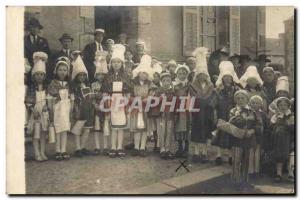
x,y
234,27
190,29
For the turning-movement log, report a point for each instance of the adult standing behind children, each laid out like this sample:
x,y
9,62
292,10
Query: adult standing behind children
x,y
90,50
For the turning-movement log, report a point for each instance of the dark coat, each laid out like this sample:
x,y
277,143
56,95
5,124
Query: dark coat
x,y
225,102
283,138
30,48
270,91
89,58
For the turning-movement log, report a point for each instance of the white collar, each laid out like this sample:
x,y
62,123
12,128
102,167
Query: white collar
x,y
97,43
177,81
247,107
286,113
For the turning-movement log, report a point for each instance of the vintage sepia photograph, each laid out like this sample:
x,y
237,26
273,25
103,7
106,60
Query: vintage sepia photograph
x,y
152,100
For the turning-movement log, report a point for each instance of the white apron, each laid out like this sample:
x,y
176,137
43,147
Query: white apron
x,y
62,112
118,116
44,117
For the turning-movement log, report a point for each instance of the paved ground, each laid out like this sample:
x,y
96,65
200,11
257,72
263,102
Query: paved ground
x,y
98,174
103,175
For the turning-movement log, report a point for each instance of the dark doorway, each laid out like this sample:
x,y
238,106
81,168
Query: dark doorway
x,y
109,18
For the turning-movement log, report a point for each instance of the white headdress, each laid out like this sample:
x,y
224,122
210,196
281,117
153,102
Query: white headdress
x,y
39,55
201,62
226,68
184,66
100,62
78,67
61,62
251,72
118,52
144,66
39,66
282,84
157,68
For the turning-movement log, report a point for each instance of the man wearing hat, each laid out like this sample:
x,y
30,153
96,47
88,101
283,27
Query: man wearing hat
x,y
245,61
90,51
66,42
33,42
65,52
140,47
262,60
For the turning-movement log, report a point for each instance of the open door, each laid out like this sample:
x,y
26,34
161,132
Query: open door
x,y
109,18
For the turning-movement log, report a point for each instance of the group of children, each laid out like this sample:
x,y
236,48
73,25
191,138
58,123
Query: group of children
x,y
70,103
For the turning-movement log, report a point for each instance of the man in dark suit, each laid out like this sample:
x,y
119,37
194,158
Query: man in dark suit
x,y
140,47
33,42
262,61
66,42
90,50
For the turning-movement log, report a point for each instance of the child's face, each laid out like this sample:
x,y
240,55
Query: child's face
x,y
252,83
191,63
269,77
81,77
256,104
283,106
143,76
241,100
201,77
227,80
156,78
172,68
182,74
39,77
128,55
128,71
62,72
99,76
166,81
116,64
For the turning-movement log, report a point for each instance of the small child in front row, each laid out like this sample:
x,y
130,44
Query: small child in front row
x,y
182,121
142,87
83,106
282,124
100,117
36,101
256,104
165,122
60,105
117,84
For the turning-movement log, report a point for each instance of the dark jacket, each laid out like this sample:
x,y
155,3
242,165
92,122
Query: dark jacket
x,y
89,58
30,48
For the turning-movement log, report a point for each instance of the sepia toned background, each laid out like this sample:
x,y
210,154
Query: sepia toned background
x,y
246,30
250,30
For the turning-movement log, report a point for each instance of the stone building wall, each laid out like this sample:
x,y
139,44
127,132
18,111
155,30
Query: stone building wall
x,y
75,20
290,51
